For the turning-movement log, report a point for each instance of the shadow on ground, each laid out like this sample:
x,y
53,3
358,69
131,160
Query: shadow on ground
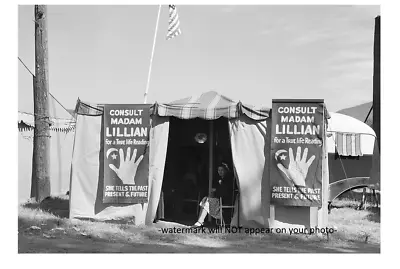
x,y
58,206
374,214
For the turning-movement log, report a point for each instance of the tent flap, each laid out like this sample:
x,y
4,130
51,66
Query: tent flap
x,y
158,153
248,140
87,176
87,172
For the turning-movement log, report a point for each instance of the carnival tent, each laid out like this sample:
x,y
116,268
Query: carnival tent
x,y
353,151
249,137
62,132
343,124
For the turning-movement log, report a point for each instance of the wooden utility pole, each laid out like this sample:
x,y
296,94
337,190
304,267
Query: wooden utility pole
x,y
377,81
41,142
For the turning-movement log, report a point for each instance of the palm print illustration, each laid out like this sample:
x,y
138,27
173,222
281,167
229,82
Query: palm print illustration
x,y
297,169
127,166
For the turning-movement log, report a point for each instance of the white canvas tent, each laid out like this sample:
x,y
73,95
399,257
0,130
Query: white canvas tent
x,y
246,123
353,171
340,123
62,133
250,145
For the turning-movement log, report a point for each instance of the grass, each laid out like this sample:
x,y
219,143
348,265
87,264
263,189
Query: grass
x,y
357,231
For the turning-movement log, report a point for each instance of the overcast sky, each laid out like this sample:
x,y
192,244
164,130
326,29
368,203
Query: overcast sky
x,y
101,54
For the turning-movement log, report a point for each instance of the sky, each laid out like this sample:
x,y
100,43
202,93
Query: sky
x,y
101,54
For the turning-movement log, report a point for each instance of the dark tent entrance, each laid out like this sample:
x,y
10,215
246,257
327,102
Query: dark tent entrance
x,y
195,149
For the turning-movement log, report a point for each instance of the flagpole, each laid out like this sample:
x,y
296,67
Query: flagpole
x,y
152,54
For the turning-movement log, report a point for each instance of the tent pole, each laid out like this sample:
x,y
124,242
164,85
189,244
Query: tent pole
x,y
210,160
322,219
376,97
152,54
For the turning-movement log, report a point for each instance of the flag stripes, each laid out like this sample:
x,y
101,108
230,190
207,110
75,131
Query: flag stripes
x,y
348,144
173,26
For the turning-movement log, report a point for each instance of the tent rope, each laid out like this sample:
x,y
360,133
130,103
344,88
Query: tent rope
x,y
45,116
65,137
26,67
47,91
368,114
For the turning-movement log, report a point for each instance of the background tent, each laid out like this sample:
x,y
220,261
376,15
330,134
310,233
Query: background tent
x,y
250,144
363,112
339,123
62,133
352,168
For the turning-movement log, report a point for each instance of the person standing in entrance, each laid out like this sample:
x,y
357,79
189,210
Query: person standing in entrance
x,y
210,205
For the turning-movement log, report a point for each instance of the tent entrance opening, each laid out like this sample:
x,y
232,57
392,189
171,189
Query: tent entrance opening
x,y
195,148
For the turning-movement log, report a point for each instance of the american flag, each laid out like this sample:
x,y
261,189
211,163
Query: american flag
x,y
173,25
348,144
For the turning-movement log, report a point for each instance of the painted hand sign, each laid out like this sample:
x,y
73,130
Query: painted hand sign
x,y
126,158
297,169
127,166
296,147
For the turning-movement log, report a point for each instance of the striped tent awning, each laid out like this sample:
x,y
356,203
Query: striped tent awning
x,y
26,122
348,144
210,106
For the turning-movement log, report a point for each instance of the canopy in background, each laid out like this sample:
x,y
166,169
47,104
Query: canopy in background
x,y
62,132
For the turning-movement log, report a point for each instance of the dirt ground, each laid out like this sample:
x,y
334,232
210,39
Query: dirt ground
x,y
152,240
36,244
40,231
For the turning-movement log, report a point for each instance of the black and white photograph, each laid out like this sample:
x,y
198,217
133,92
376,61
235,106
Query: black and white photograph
x,y
199,128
